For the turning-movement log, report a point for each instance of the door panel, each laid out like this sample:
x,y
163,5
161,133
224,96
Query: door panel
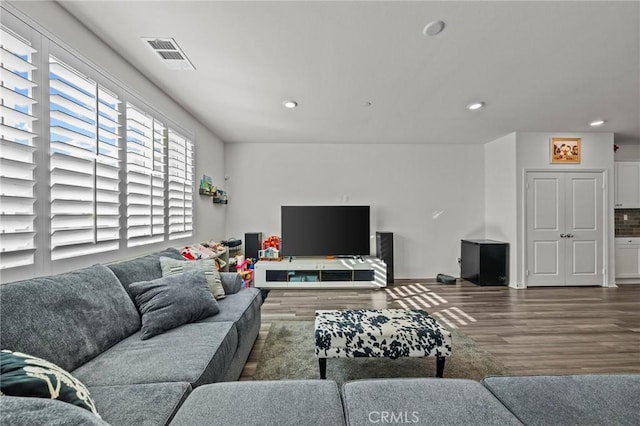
x,y
585,254
546,258
584,212
545,194
584,199
545,252
564,228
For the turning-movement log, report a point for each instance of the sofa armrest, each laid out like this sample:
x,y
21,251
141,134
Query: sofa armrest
x,y
231,281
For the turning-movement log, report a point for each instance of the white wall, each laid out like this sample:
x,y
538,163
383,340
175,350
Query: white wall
x,y
627,152
55,22
500,196
429,196
597,154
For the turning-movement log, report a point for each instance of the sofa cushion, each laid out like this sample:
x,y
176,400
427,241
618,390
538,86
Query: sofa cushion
x,y
240,308
26,375
231,281
208,266
574,399
140,405
166,303
243,308
144,268
68,318
24,411
426,401
195,353
282,402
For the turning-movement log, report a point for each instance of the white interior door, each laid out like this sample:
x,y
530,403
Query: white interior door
x,y
564,229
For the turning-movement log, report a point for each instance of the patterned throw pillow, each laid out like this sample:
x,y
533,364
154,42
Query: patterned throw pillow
x,y
26,375
208,266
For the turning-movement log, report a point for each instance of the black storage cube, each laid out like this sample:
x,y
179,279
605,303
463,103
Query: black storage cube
x,y
485,262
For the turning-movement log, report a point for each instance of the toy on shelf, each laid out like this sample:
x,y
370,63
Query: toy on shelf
x,y
272,241
244,267
270,253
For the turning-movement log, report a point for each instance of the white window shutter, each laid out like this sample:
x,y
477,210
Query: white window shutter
x,y
84,164
180,168
146,142
17,162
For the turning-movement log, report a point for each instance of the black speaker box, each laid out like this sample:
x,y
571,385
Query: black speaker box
x,y
384,251
252,243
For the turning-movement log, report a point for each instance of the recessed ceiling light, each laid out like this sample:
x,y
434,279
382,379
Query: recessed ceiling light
x,y
596,123
475,105
433,28
290,104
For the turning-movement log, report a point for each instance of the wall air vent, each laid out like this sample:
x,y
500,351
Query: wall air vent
x,y
169,52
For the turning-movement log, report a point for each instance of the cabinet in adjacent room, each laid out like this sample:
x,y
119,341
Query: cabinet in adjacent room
x,y
628,257
627,181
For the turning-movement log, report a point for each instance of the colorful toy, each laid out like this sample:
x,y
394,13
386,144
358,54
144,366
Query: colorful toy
x,y
272,241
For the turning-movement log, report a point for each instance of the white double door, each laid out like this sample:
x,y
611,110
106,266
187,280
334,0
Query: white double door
x,y
565,229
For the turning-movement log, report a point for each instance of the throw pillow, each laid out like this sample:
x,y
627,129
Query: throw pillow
x,y
30,376
169,302
208,266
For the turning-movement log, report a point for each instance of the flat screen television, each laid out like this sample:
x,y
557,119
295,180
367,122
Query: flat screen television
x,y
325,230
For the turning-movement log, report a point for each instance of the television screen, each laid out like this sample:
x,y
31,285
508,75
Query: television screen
x,y
325,230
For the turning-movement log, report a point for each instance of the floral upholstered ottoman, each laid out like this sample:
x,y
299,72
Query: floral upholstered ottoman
x,y
389,333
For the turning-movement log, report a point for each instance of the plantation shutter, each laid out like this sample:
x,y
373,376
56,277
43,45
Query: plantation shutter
x,y
84,163
146,141
17,162
180,185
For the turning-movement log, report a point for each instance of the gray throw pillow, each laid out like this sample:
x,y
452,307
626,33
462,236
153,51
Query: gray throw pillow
x,y
208,266
169,302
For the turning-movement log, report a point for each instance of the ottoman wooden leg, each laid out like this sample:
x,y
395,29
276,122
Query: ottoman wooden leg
x,y
440,366
323,367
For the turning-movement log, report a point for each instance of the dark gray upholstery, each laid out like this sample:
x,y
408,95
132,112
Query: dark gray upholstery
x,y
22,411
141,405
577,400
242,308
68,318
426,401
231,282
282,403
167,302
196,353
86,322
145,268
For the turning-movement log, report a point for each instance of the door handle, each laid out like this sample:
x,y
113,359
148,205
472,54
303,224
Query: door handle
x,y
563,236
569,235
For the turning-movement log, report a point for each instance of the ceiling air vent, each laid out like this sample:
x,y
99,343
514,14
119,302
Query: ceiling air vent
x,y
170,53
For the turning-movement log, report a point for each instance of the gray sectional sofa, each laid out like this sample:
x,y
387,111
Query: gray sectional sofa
x,y
530,400
86,322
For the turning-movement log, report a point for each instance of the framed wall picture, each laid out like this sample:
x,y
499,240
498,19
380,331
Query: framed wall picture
x,y
565,150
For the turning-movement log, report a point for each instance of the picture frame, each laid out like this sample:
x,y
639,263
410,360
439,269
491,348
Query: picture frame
x,y
566,150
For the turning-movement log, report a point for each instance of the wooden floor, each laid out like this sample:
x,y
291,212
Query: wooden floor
x,y
564,330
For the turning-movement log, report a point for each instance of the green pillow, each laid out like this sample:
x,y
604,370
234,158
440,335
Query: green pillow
x,y
208,266
26,375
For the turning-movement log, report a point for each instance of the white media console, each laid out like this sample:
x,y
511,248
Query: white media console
x,y
316,272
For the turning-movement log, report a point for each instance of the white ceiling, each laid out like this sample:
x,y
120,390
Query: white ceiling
x,y
539,66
